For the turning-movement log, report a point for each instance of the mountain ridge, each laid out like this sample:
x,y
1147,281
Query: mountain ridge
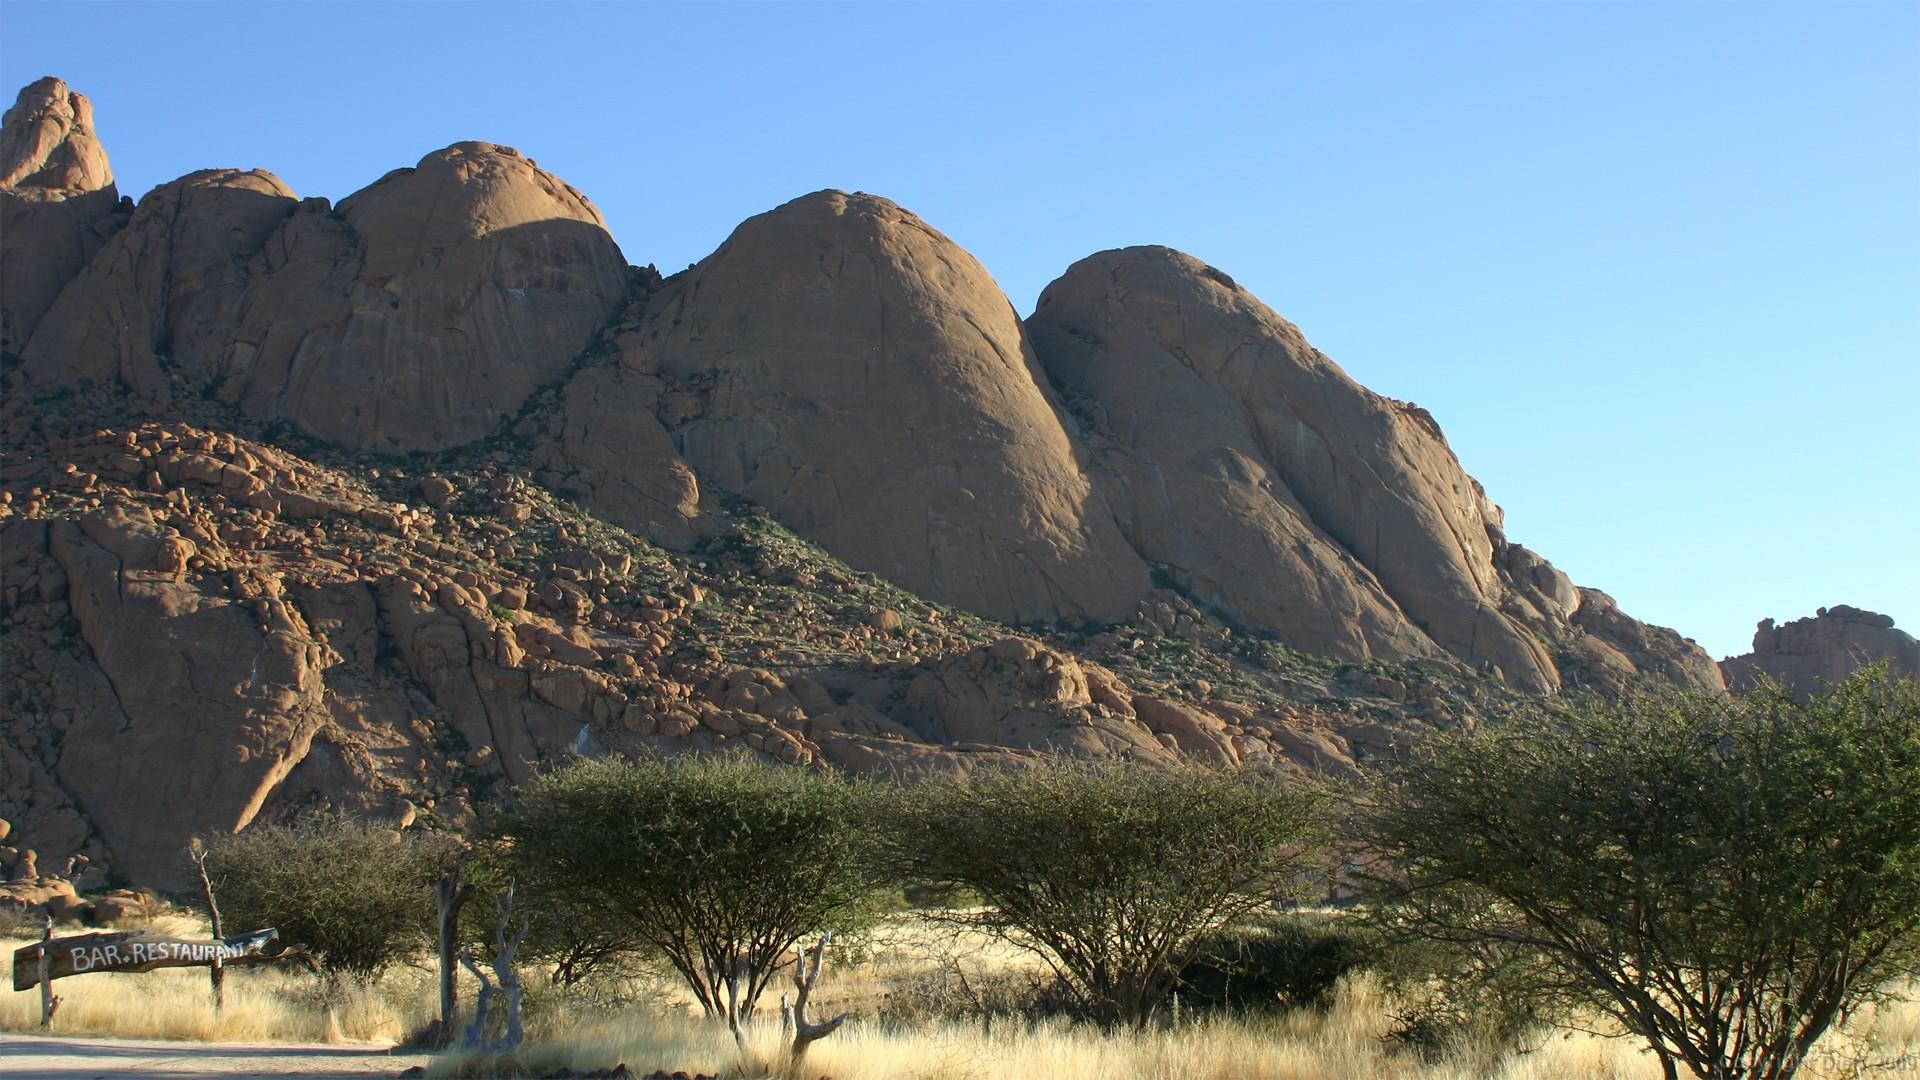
x,y
376,506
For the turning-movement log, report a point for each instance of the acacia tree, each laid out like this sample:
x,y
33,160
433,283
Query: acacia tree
x,y
1727,877
1115,874
353,896
720,864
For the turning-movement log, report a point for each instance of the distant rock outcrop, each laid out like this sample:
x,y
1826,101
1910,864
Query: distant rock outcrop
x,y
415,316
863,378
1809,655
57,202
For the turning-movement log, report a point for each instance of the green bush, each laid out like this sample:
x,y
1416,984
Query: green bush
x,y
1726,876
1286,963
1113,873
718,864
356,896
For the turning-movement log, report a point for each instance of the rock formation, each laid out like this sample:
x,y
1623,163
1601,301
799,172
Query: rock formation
x,y
1278,490
57,202
417,315
862,377
1226,549
1809,655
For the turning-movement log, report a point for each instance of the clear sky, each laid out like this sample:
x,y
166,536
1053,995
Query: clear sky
x,y
1655,267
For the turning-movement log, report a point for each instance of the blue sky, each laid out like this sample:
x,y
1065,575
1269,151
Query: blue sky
x,y
1654,267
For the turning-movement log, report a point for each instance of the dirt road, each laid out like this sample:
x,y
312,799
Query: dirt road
x,y
58,1058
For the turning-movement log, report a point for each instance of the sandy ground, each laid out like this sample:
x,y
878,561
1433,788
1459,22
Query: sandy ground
x,y
54,1057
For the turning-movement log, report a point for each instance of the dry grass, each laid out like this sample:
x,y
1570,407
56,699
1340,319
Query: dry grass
x,y
262,1004
1344,1041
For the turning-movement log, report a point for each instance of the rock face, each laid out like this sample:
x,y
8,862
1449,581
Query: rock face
x,y
1809,655
613,454
415,316
861,376
1271,483
204,624
48,142
218,696
57,202
163,297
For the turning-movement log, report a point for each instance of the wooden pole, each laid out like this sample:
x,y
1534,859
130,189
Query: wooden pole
x,y
48,1002
217,973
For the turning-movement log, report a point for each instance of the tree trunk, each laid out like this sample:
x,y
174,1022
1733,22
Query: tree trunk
x,y
805,978
449,896
217,974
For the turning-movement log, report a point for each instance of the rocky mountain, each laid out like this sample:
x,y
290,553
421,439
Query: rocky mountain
x,y
57,203
1809,655
380,505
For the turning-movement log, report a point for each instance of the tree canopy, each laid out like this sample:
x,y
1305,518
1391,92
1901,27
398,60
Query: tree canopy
x,y
719,864
1727,876
1112,872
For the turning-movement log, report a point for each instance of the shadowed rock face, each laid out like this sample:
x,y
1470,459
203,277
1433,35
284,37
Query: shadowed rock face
x,y
57,202
429,306
416,316
167,289
1809,655
864,379
1272,483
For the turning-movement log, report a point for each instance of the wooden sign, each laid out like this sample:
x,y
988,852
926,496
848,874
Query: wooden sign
x,y
133,951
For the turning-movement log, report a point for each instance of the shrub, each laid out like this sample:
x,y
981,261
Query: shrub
x,y
1286,963
719,864
1113,873
1727,877
355,896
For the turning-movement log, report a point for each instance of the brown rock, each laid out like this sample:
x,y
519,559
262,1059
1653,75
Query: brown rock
x,y
121,907
215,700
872,388
57,202
1653,650
437,491
416,316
1195,733
614,454
1019,694
1271,484
1810,655
47,141
174,278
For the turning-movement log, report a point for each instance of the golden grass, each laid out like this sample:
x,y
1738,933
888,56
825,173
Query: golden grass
x,y
1343,1042
262,1004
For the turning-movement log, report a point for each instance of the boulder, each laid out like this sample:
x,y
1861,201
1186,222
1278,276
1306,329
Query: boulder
x,y
1019,693
863,378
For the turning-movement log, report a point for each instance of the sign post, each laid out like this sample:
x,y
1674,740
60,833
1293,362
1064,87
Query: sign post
x,y
56,958
48,1002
